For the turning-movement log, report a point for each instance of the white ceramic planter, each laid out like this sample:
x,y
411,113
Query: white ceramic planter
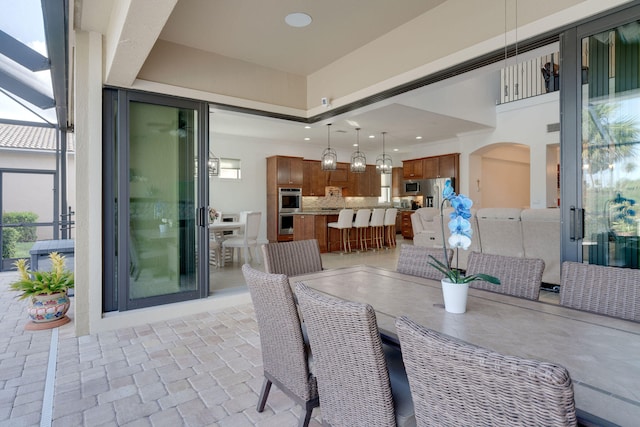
x,y
455,296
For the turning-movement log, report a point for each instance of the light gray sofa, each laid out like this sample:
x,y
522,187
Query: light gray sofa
x,y
524,233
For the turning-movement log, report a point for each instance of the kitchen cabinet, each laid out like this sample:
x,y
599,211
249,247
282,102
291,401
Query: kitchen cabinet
x,y
304,227
441,166
412,169
367,184
341,178
396,182
407,229
288,170
314,179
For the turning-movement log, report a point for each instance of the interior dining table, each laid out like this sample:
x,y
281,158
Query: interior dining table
x,y
601,353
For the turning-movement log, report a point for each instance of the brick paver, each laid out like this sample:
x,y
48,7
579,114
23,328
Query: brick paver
x,y
199,370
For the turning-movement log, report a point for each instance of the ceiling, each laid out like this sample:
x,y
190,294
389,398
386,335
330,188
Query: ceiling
x,y
255,31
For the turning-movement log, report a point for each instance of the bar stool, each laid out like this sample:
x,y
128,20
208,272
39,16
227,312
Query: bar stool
x,y
390,226
344,224
377,227
361,224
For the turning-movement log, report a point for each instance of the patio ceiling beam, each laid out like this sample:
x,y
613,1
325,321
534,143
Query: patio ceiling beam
x,y
22,54
133,31
22,88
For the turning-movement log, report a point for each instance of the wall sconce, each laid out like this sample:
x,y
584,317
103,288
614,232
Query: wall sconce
x,y
213,165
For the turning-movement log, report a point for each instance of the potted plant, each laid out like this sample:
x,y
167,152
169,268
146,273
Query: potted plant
x,y
46,290
455,285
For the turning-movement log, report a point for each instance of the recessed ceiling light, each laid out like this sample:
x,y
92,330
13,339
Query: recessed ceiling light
x,y
297,20
307,127
355,145
371,136
307,139
418,137
396,149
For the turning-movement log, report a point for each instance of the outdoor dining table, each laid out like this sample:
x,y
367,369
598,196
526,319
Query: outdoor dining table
x,y
601,353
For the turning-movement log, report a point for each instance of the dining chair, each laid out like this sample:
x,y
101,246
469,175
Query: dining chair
x,y
357,384
292,258
454,383
285,357
361,224
613,291
520,277
216,257
377,227
344,224
416,261
390,226
249,239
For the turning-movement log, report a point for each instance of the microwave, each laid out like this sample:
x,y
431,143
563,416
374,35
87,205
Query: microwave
x,y
411,187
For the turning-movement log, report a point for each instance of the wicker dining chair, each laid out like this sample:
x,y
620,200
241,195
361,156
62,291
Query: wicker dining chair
x,y
520,277
292,258
414,260
357,383
613,291
284,353
454,383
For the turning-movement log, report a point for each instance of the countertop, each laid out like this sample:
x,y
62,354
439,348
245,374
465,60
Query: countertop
x,y
337,211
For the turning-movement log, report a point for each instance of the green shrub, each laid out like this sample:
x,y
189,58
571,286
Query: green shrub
x,y
9,241
25,234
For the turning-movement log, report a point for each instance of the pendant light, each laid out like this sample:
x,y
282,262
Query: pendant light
x,y
329,156
358,159
384,162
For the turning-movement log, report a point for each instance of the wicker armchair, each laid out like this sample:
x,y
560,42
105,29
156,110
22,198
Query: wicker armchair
x,y
414,260
354,380
292,258
613,291
284,354
520,277
458,384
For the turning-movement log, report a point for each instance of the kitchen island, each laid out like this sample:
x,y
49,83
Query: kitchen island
x,y
312,224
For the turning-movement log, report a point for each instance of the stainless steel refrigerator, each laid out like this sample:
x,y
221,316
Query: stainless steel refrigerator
x,y
432,191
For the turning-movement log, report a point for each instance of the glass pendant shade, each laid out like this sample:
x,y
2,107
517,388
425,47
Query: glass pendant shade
x,y
213,165
329,160
358,159
384,163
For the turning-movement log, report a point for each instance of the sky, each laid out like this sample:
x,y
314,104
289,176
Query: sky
x,y
22,19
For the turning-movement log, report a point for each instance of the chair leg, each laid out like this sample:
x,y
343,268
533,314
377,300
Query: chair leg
x,y
264,393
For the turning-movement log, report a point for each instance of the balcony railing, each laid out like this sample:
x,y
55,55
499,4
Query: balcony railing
x,y
530,78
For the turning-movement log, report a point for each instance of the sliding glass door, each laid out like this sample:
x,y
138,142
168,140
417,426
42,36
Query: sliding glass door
x,y
603,221
157,202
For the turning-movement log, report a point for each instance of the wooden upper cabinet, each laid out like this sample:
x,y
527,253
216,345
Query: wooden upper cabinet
x,y
441,166
449,165
289,171
314,178
412,169
340,176
367,184
396,182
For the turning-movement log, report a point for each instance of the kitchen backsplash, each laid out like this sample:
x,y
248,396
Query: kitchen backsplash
x,y
310,203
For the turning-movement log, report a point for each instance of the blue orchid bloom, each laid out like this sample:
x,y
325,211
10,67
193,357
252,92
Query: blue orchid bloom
x,y
462,206
447,192
460,226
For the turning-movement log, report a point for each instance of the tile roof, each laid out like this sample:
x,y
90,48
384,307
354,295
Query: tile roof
x,y
31,137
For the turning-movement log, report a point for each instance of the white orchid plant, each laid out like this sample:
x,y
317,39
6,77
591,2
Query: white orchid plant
x,y
461,234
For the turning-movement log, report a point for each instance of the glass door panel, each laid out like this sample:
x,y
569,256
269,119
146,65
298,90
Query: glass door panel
x,y
610,146
162,201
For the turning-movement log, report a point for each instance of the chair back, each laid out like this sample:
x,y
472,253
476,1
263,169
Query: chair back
x,y
292,258
390,216
454,383
414,260
252,226
284,355
520,277
613,291
349,363
377,217
345,218
362,218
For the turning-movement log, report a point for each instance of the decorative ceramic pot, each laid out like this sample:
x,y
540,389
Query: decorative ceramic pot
x,y
47,308
455,296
